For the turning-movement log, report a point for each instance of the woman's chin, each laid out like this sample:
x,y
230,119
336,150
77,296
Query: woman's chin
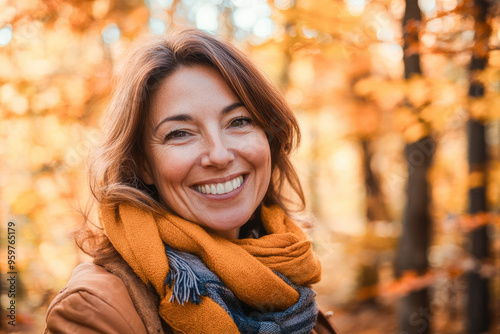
x,y
227,224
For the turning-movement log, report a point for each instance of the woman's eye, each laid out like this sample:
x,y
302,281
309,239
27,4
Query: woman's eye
x,y
241,121
176,134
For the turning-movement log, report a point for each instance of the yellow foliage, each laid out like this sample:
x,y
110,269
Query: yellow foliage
x,y
55,82
302,72
60,264
16,184
486,108
409,281
25,203
295,97
46,188
488,76
404,117
438,115
478,108
386,93
415,132
368,87
445,93
365,119
418,91
55,136
474,221
476,179
75,94
494,182
7,69
135,20
493,101
494,58
100,8
13,100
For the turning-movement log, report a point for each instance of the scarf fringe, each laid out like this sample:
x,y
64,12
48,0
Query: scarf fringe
x,y
187,285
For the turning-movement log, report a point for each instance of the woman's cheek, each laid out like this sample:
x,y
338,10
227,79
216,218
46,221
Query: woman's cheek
x,y
175,163
256,148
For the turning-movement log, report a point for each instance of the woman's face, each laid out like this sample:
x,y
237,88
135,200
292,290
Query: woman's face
x,y
208,159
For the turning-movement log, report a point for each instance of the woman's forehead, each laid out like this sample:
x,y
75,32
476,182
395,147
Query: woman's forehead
x,y
189,89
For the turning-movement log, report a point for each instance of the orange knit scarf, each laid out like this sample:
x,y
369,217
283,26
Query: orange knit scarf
x,y
245,266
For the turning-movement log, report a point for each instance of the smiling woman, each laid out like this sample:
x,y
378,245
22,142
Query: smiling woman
x,y
188,178
199,141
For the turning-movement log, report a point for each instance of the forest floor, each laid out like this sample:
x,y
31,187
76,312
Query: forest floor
x,y
381,318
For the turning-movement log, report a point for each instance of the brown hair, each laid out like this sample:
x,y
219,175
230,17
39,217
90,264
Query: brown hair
x,y
114,172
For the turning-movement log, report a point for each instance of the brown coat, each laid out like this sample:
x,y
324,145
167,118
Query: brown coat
x,y
111,299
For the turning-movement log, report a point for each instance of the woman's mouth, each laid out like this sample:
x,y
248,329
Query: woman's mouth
x,y
220,188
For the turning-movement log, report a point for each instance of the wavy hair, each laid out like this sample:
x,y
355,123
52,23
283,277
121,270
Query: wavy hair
x,y
114,171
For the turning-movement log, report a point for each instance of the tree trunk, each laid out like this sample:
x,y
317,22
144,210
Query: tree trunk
x,y
478,313
376,210
413,312
414,316
376,207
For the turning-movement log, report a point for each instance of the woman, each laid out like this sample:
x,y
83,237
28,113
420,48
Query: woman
x,y
189,179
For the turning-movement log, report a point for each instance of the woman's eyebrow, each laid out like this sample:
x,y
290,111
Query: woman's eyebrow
x,y
231,107
188,118
179,118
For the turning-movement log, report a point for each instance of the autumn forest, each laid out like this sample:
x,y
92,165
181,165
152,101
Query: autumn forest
x,y
399,107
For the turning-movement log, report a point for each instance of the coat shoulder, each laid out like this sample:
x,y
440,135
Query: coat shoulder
x,y
93,301
323,325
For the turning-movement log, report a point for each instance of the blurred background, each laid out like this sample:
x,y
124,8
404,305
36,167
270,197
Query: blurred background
x,y
399,106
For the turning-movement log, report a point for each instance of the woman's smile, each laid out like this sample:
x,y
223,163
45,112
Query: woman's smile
x,y
208,160
220,188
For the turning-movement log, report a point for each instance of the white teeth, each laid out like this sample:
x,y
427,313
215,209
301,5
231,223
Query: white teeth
x,y
220,188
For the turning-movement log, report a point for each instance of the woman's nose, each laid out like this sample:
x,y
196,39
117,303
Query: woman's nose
x,y
217,152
